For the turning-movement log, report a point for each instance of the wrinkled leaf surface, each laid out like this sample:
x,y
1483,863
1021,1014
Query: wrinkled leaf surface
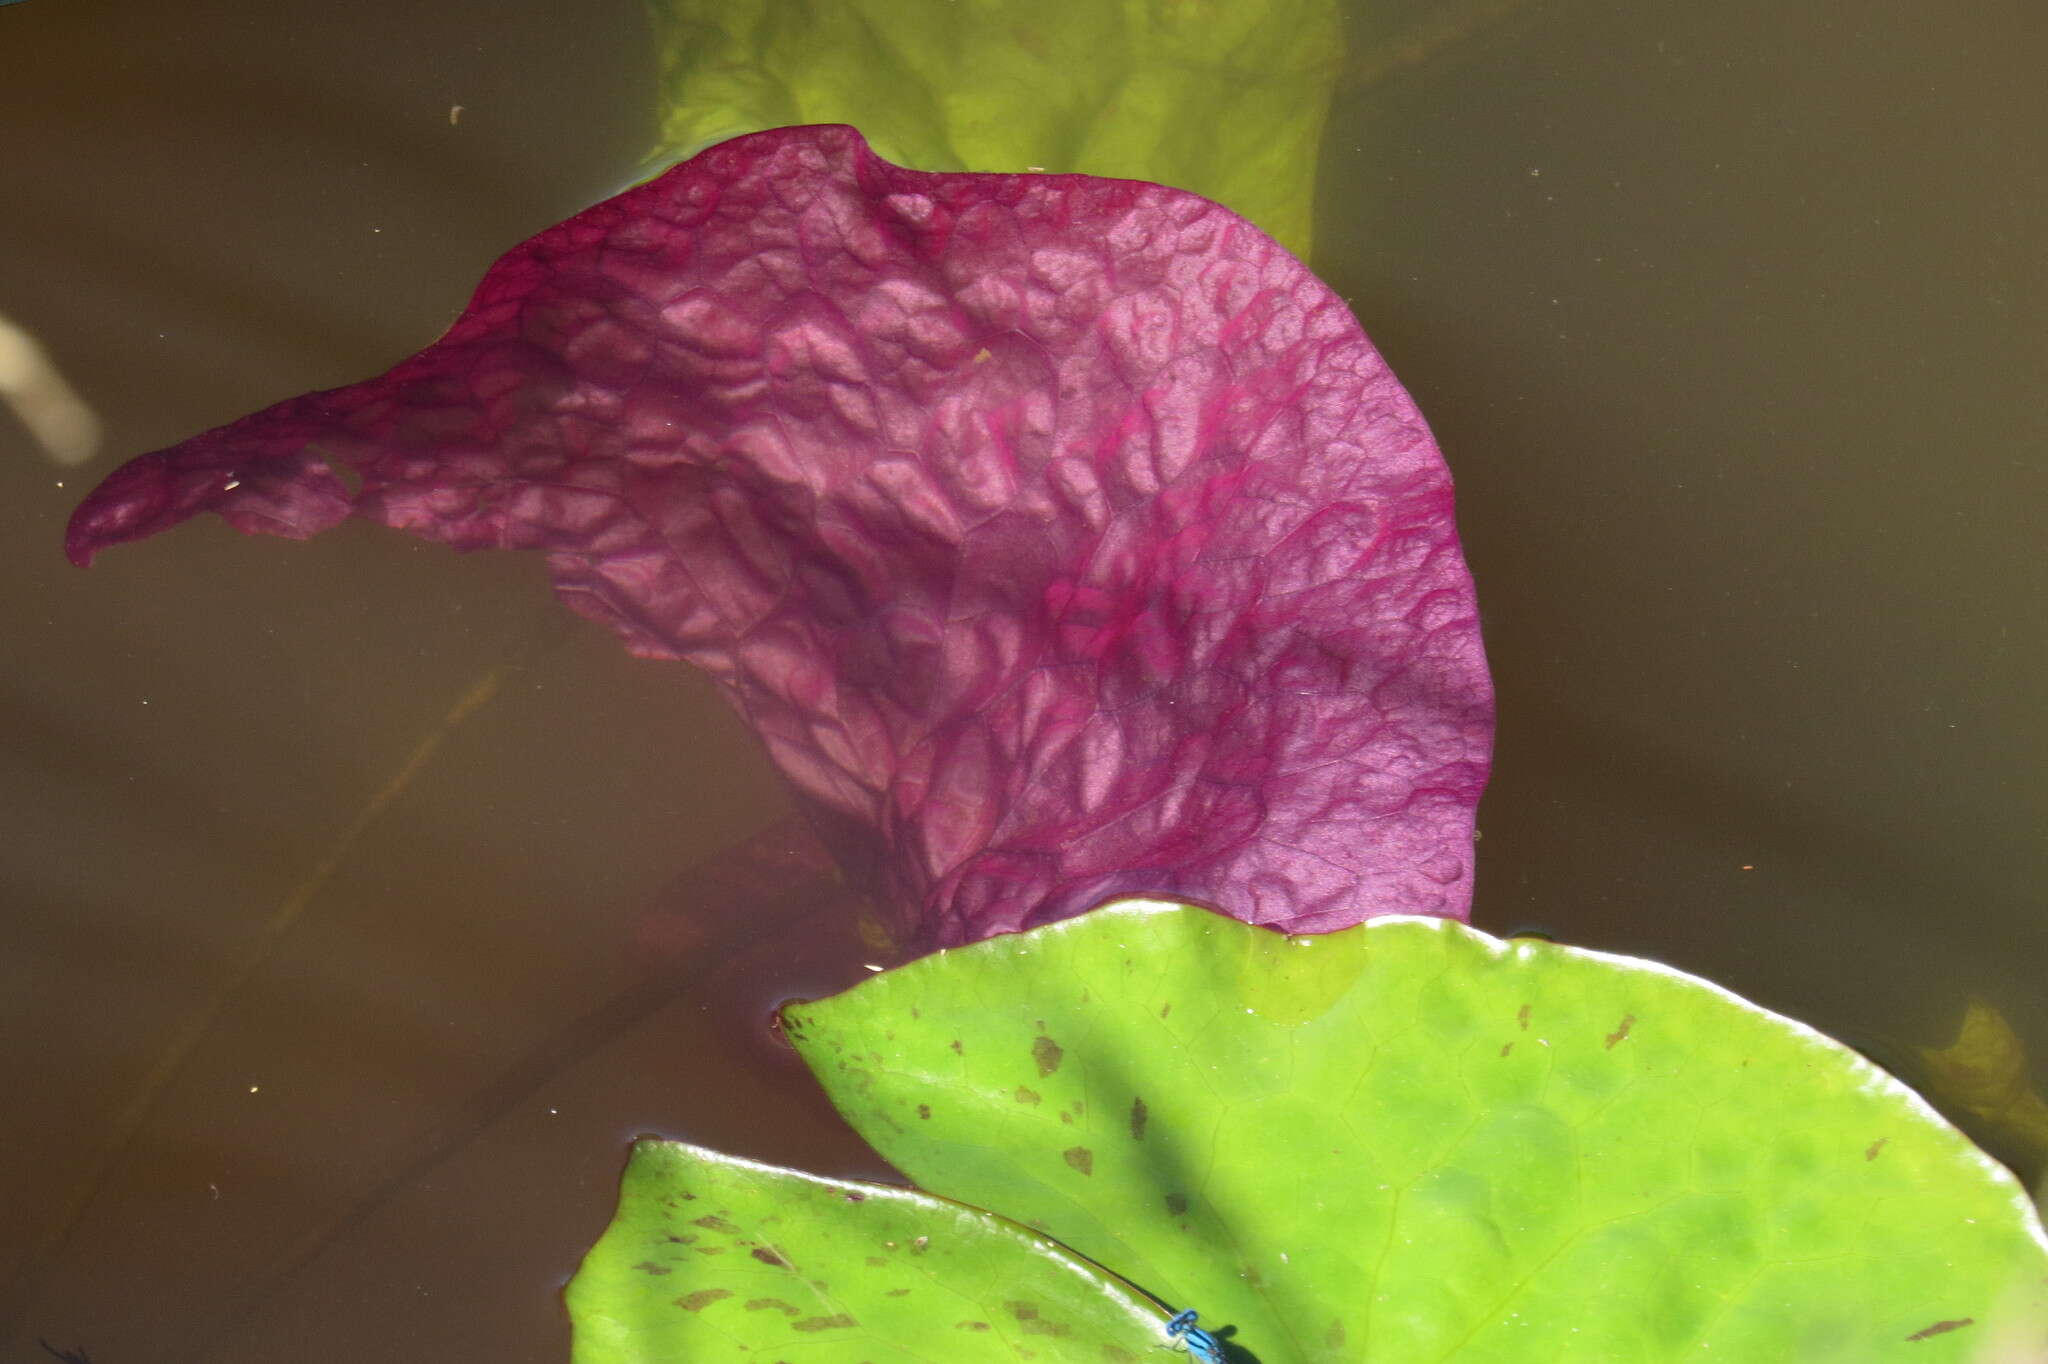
x,y
1061,537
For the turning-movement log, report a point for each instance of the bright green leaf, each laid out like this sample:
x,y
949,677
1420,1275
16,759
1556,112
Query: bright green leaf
x,y
1410,1141
714,1258
1223,97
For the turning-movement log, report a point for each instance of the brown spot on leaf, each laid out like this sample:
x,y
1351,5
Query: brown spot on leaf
x,y
839,1321
1166,1008
714,1223
1176,1204
770,1305
955,1045
768,1257
1081,1158
1047,1055
649,1267
1139,1116
1026,1096
854,1196
1506,1047
1336,1335
1620,1032
1942,1328
920,1245
702,1298
924,1111
1870,1151
897,1293
1522,1017
1032,1324
972,1326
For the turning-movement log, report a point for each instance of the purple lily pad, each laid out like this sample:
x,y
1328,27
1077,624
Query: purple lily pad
x,y
1062,538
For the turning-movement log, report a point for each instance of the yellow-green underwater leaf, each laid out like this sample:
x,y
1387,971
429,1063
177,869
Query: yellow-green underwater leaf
x,y
1223,97
1983,1077
1410,1141
716,1258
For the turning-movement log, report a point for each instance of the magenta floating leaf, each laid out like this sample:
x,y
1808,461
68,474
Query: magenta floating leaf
x,y
1062,538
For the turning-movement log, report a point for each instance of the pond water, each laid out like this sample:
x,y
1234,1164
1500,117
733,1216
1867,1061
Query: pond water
x,y
359,903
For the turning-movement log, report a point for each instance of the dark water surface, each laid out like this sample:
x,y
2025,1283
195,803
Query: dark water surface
x,y
357,903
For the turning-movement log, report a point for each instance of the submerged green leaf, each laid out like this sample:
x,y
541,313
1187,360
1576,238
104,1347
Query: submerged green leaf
x,y
1411,1141
1223,97
1984,1078
716,1258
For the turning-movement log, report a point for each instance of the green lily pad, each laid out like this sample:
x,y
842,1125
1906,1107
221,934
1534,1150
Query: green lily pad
x,y
716,1258
1223,97
1411,1141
